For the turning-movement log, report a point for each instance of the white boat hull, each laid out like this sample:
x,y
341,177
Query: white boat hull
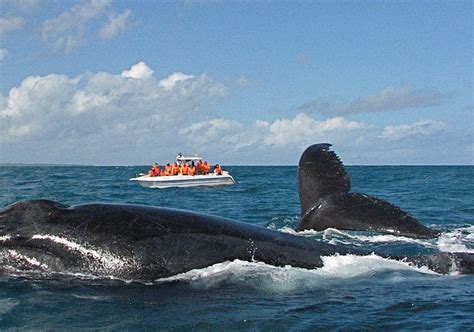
x,y
184,180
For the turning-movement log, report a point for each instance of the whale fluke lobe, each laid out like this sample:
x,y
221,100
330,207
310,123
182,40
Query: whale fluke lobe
x,y
320,173
326,202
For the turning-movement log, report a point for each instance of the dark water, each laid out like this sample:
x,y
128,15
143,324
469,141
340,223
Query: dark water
x,y
347,293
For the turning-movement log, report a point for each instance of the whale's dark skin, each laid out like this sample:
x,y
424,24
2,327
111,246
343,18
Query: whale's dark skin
x,y
326,201
147,243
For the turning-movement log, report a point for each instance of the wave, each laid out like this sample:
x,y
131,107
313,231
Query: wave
x,y
460,239
273,279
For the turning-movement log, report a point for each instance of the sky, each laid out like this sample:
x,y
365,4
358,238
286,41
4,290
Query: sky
x,y
103,82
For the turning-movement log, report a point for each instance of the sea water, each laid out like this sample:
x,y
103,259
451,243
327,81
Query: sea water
x,y
348,293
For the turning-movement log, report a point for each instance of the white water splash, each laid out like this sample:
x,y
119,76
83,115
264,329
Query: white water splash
x,y
261,276
458,240
5,238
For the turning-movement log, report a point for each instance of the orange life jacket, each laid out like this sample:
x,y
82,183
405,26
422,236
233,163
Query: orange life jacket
x,y
175,169
218,170
156,171
206,168
192,170
168,170
184,169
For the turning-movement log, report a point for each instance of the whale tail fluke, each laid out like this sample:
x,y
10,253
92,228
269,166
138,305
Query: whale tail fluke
x,y
326,202
320,173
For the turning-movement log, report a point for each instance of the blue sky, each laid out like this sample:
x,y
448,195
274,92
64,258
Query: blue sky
x,y
133,82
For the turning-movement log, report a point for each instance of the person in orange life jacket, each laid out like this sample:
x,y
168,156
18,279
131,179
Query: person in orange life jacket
x,y
206,168
155,170
218,169
184,168
168,170
192,169
175,169
200,168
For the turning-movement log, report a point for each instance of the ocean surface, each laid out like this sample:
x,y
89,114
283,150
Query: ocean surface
x,y
348,293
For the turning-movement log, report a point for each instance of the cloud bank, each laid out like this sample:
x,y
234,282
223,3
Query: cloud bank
x,y
131,116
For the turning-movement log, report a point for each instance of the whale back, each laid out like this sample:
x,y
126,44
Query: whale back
x,y
320,174
147,243
139,242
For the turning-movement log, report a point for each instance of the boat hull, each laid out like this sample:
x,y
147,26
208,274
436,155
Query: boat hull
x,y
184,181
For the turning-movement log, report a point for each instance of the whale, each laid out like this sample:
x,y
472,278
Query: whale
x,y
327,202
145,243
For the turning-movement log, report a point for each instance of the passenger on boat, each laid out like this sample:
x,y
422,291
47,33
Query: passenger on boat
x,y
200,168
155,171
168,170
192,169
218,169
184,168
175,169
206,168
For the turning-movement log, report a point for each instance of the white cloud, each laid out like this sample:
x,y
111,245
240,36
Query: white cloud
x,y
131,116
103,105
303,128
116,24
138,71
29,108
419,128
169,82
69,30
9,24
3,53
389,99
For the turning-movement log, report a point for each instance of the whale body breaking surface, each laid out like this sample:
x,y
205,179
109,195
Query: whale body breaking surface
x,y
148,243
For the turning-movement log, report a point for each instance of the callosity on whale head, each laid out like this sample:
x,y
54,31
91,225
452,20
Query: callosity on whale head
x,y
326,201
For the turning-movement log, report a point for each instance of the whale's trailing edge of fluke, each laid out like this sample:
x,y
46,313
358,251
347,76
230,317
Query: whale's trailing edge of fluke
x,y
326,201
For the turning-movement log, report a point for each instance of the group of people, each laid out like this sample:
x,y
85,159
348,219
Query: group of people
x,y
183,168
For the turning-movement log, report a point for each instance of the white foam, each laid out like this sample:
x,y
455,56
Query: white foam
x,y
457,240
5,238
264,277
347,238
